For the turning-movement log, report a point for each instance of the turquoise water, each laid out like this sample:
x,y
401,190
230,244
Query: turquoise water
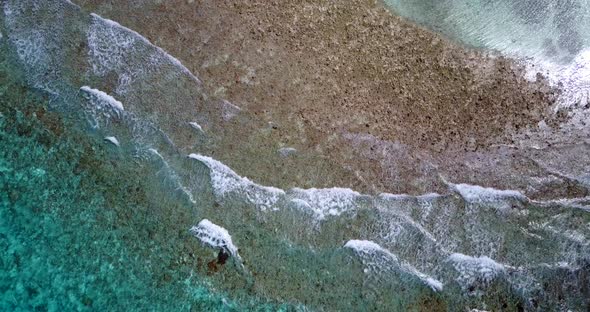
x,y
90,223
83,228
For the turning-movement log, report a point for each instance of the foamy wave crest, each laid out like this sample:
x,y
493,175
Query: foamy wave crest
x,y
226,182
102,108
196,126
215,236
103,99
379,259
476,271
326,202
113,140
321,203
503,200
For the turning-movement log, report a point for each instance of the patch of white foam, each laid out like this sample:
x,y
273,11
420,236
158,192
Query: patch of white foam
x,y
320,202
215,236
112,140
196,126
475,269
226,182
434,284
301,204
155,152
109,44
327,202
477,193
388,196
367,248
104,98
487,195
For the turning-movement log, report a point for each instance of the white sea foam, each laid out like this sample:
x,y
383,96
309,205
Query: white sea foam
x,y
109,44
327,202
320,202
102,108
500,199
155,152
215,236
476,193
365,248
169,57
104,98
434,284
196,126
226,182
395,197
389,196
112,140
582,203
475,269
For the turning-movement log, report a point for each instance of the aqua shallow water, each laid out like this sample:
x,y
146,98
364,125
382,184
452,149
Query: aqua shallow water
x,y
106,206
81,228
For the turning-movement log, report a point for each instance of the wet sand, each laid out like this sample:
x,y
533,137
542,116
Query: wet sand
x,y
368,100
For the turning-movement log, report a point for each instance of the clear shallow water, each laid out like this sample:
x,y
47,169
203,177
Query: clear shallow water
x,y
554,29
90,224
83,227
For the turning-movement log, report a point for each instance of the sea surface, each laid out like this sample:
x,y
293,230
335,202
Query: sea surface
x,y
104,206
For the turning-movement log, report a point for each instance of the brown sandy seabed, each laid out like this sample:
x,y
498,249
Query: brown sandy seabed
x,y
370,101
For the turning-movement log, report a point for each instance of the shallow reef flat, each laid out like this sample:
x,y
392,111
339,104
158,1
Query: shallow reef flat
x,y
367,99
280,155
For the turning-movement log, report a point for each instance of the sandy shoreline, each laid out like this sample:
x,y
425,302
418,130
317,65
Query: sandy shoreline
x,y
368,100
